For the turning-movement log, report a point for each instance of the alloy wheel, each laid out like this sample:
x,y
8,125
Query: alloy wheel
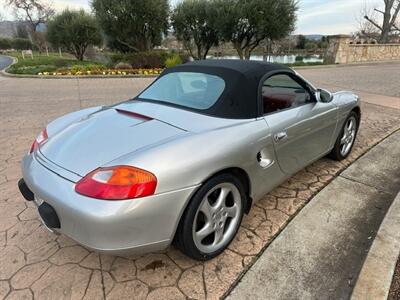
x,y
349,133
217,218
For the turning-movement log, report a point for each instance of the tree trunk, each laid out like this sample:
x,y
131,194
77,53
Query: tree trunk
x,y
247,53
199,56
383,39
206,52
239,50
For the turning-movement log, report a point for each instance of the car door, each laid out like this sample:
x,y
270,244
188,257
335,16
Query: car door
x,y
302,128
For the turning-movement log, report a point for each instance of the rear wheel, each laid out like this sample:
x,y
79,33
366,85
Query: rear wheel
x,y
212,218
346,138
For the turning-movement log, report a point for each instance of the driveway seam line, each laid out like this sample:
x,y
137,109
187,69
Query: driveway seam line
x,y
102,278
366,184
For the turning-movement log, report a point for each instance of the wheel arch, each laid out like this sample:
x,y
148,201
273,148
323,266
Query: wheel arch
x,y
239,173
244,178
357,110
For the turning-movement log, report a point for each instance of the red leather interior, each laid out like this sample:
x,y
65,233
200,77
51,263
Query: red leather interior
x,y
276,101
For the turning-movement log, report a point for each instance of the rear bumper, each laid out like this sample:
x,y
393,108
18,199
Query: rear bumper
x,y
128,226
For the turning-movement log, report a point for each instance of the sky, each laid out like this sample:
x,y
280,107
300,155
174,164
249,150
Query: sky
x,y
314,16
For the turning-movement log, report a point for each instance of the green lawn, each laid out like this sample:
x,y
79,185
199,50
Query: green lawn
x,y
43,63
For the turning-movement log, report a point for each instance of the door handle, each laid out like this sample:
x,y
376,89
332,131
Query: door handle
x,y
280,136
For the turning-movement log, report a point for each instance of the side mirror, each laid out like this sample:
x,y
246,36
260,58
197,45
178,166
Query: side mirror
x,y
323,96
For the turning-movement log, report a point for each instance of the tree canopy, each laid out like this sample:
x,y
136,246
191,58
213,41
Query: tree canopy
x,y
132,25
74,31
194,23
246,23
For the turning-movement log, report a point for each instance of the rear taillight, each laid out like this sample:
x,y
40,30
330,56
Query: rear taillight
x,y
117,183
40,140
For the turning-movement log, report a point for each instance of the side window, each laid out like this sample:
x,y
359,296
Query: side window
x,y
282,92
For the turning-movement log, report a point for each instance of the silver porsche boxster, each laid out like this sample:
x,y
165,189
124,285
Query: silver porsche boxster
x,y
185,159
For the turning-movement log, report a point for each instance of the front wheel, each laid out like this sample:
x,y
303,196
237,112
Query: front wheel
x,y
346,138
212,218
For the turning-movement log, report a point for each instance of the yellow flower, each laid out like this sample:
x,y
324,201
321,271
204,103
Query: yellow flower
x,y
40,73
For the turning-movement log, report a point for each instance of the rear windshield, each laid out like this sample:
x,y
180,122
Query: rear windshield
x,y
188,89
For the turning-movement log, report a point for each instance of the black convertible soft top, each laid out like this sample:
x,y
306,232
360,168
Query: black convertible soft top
x,y
242,78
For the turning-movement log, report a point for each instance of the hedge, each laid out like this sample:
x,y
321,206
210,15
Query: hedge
x,y
5,44
146,60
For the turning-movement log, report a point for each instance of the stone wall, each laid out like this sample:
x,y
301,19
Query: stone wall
x,y
341,50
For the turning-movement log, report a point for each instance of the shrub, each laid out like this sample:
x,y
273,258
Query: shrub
x,y
122,66
185,57
86,68
299,58
21,44
151,59
60,63
173,60
5,44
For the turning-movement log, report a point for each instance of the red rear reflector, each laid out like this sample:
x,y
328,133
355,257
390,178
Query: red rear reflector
x,y
117,183
133,114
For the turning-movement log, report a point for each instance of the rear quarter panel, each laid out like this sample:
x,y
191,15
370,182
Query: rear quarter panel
x,y
191,159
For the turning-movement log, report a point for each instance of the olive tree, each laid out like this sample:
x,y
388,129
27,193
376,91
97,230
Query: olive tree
x,y
132,25
75,31
246,23
194,23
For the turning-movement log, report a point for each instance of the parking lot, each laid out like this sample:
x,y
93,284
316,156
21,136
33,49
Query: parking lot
x,y
36,263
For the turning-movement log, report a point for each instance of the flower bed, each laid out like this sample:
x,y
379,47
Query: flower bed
x,y
102,71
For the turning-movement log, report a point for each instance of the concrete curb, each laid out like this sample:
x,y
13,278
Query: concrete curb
x,y
376,274
251,271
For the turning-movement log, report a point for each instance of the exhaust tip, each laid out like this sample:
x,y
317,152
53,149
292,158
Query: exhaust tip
x,y
49,215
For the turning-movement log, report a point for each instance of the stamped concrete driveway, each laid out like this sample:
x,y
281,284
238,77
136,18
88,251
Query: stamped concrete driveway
x,y
37,264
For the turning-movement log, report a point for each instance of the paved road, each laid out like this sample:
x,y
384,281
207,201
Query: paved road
x,y
382,79
36,263
320,254
374,83
5,61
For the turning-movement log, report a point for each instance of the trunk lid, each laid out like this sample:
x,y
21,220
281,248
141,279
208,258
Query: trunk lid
x,y
104,136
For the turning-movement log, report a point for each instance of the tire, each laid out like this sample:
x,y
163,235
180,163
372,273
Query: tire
x,y
206,230
345,141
